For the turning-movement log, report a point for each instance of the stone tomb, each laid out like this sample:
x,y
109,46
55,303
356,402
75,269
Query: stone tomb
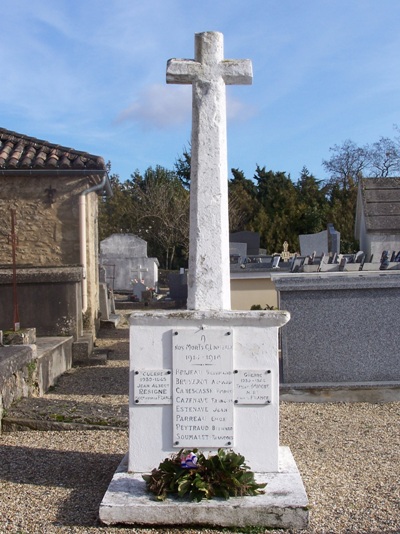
x,y
124,259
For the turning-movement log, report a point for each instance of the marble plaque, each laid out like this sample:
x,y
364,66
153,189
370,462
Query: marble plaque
x,y
152,386
252,386
202,387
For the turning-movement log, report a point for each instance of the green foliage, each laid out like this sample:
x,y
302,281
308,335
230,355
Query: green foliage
x,y
224,474
258,307
278,198
183,166
155,205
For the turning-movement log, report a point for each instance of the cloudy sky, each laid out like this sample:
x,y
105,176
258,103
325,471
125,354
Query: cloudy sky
x,y
90,74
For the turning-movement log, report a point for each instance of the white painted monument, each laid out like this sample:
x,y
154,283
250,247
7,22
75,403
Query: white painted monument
x,y
207,377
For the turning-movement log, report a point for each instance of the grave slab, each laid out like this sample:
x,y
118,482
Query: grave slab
x,y
284,504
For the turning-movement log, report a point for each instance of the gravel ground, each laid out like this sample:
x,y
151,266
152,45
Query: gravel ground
x,y
53,482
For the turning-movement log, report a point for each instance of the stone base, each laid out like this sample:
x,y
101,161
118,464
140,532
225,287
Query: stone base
x,y
341,392
284,504
25,336
82,349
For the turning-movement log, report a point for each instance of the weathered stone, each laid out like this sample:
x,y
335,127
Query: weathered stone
x,y
208,283
25,336
284,504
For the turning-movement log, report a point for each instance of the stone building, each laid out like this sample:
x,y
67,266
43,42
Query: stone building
x,y
378,216
51,192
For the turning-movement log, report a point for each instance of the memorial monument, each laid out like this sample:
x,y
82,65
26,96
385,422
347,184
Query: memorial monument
x,y
207,377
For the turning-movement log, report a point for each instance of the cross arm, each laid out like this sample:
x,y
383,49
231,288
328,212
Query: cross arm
x,y
182,71
237,71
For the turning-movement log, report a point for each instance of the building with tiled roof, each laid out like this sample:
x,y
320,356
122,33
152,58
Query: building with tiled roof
x,y
49,193
378,216
21,152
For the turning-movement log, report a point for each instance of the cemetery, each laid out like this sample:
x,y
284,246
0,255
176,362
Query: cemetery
x,y
252,330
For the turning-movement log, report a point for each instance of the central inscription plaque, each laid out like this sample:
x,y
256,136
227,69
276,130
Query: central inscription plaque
x,y
202,386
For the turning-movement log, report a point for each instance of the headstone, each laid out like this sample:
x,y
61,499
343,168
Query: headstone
x,y
333,239
297,264
178,287
251,239
275,262
239,250
138,288
211,374
102,275
310,243
322,242
104,302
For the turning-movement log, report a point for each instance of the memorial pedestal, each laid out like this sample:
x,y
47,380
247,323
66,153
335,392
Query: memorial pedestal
x,y
207,380
204,379
284,504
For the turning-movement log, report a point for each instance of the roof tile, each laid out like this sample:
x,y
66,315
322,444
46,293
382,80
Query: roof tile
x,y
19,151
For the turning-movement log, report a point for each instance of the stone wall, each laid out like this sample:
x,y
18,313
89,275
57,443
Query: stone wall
x,y
48,233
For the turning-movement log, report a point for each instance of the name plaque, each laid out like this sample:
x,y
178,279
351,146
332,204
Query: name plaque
x,y
202,387
252,386
152,386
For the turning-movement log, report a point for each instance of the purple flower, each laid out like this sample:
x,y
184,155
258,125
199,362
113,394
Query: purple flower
x,y
189,461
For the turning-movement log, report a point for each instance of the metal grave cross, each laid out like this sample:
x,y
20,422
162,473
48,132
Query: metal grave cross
x,y
209,72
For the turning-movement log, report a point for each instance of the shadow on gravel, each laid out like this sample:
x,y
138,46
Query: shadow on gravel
x,y
99,380
87,474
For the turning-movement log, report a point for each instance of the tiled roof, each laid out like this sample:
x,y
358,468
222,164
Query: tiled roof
x,y
381,201
20,152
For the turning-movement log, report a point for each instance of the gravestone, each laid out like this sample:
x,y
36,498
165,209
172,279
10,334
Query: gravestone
x,y
207,376
333,239
327,241
138,288
251,239
177,284
239,250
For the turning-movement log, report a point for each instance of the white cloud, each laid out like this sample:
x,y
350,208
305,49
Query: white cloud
x,y
163,106
159,106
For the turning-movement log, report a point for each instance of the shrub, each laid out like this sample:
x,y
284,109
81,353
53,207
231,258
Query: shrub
x,y
191,474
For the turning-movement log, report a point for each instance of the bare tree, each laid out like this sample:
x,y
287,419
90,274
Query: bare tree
x,y
346,164
384,158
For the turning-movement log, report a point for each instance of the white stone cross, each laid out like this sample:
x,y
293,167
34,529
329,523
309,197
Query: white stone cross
x,y
209,72
139,270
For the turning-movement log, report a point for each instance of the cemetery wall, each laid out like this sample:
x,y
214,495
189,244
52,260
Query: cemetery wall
x,y
343,327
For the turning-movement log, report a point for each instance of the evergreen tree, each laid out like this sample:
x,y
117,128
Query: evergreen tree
x,y
278,197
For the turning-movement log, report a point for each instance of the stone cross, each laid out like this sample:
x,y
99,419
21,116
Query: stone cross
x,y
139,270
209,72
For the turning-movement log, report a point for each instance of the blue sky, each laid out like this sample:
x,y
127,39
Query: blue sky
x,y
90,74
